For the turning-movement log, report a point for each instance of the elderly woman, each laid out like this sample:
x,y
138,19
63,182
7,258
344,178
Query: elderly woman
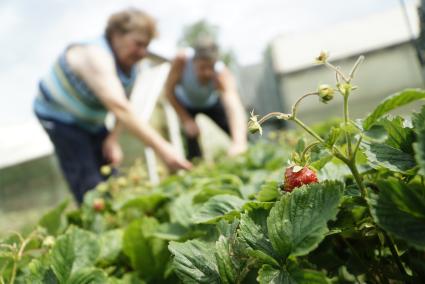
x,y
199,83
88,80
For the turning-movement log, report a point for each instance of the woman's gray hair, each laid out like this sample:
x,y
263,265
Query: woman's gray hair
x,y
206,48
129,20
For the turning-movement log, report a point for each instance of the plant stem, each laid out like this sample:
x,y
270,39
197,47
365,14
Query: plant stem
x,y
270,115
353,71
295,106
14,268
353,168
337,153
337,70
19,254
308,148
308,129
359,259
346,122
396,257
356,148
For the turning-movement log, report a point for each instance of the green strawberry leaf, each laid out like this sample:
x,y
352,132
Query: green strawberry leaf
x,y
218,207
148,255
55,221
110,245
194,261
400,136
400,210
253,233
269,191
298,222
271,275
419,146
392,102
75,250
384,156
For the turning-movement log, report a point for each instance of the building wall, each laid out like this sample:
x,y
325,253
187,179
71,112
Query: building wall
x,y
383,72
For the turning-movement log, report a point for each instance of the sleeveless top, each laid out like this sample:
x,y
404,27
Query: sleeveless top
x,y
66,98
191,93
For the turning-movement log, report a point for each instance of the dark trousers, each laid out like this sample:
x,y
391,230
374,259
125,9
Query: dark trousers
x,y
79,153
217,114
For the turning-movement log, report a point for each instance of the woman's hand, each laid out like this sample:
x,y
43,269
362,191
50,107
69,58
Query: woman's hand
x,y
191,128
172,159
236,149
112,150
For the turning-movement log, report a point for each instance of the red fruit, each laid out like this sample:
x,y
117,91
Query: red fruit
x,y
296,176
98,204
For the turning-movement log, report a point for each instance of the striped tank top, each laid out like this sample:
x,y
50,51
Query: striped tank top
x,y
193,94
65,98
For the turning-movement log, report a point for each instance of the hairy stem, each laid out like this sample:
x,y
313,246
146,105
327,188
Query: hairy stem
x,y
295,106
337,152
396,257
308,129
338,71
357,177
270,115
354,69
308,148
346,122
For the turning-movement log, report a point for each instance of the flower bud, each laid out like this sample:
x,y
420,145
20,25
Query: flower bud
x,y
322,58
326,93
253,124
345,88
49,241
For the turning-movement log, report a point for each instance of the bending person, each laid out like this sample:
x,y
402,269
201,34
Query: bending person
x,y
199,83
88,80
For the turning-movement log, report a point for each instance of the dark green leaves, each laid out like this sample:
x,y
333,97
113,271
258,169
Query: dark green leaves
x,y
384,156
294,275
55,221
194,261
419,146
205,262
298,222
392,102
148,254
269,191
218,207
399,134
253,232
73,257
400,209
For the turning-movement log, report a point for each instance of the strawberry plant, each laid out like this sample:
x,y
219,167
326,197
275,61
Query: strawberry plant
x,y
349,207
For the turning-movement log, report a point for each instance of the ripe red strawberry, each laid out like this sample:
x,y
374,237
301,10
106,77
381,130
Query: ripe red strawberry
x,y
98,204
296,176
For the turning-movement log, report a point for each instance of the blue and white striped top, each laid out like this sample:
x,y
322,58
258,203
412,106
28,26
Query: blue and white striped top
x,y
193,94
66,98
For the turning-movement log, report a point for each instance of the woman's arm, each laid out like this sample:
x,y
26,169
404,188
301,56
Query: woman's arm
x,y
97,68
234,110
174,76
111,147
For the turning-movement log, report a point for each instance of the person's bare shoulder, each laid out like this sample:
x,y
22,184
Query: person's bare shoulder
x,y
89,57
180,58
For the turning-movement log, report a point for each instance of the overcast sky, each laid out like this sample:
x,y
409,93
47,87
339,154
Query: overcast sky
x,y
33,33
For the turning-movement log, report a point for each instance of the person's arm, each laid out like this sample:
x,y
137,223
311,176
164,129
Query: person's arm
x,y
96,67
174,76
111,148
234,111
